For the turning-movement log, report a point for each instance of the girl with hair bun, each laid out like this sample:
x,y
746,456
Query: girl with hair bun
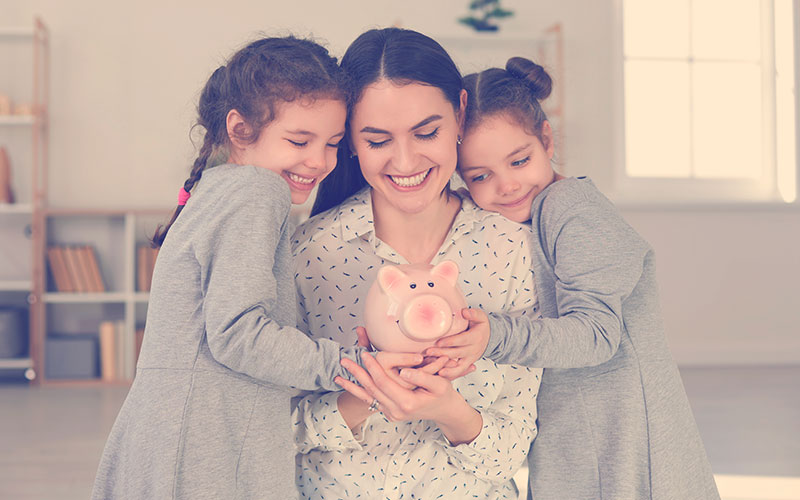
x,y
614,419
208,415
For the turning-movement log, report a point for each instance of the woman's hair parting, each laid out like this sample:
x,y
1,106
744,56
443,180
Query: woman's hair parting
x,y
515,91
255,80
401,56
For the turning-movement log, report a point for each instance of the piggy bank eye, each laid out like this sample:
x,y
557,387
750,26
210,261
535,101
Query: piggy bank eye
x,y
413,285
430,284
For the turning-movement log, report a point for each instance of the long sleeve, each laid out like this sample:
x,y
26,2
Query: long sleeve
x,y
318,425
241,293
596,260
509,425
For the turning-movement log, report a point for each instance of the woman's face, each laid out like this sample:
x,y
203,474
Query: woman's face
x,y
405,138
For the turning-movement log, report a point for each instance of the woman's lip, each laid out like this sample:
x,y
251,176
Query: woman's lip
x,y
411,188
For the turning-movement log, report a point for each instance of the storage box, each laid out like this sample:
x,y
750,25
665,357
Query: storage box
x,y
13,334
71,356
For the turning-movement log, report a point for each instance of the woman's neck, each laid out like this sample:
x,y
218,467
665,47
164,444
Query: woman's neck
x,y
418,236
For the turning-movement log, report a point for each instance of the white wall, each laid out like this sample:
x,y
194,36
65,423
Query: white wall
x,y
125,77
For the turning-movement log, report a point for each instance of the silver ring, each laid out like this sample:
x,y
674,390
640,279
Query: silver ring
x,y
373,407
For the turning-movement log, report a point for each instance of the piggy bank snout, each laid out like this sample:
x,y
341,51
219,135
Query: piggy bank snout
x,y
426,317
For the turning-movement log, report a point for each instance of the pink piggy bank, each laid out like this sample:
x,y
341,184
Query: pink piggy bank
x,y
410,306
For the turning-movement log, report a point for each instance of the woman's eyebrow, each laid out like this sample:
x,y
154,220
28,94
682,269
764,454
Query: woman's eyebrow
x,y
374,130
426,121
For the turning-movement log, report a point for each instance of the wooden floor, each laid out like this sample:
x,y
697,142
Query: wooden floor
x,y
51,437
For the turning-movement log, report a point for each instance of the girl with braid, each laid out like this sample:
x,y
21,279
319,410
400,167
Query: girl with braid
x,y
221,358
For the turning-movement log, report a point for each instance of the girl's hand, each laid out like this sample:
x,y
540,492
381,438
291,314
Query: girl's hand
x,y
433,398
465,347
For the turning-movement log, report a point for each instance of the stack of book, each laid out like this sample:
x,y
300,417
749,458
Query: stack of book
x,y
75,268
145,263
119,352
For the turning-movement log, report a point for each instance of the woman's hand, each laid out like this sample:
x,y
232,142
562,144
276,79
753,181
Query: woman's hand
x,y
464,348
433,398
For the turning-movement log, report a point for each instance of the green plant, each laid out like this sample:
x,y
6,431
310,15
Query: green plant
x,y
484,13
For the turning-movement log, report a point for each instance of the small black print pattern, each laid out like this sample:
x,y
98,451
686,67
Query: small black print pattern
x,y
337,256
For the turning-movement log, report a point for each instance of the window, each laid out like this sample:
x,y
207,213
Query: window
x,y
709,99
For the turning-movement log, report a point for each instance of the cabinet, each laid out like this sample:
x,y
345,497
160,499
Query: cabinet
x,y
68,323
23,139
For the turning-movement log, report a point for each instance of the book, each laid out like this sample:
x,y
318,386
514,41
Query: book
x,y
72,260
58,268
145,264
95,277
108,348
6,195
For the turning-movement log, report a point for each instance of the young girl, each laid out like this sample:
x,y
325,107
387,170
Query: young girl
x,y
614,420
221,354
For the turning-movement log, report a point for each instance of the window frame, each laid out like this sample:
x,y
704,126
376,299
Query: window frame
x,y
650,191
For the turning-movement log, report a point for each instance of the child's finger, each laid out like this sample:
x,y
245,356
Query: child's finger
x,y
457,371
428,381
456,340
451,352
363,339
434,366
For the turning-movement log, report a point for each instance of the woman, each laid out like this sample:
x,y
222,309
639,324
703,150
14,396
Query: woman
x,y
388,202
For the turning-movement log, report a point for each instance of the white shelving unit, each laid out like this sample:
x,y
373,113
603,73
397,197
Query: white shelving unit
x,y
115,236
24,55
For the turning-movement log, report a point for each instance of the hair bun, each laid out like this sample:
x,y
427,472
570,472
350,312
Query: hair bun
x,y
535,76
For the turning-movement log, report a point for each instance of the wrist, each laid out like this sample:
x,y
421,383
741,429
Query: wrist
x,y
462,424
353,410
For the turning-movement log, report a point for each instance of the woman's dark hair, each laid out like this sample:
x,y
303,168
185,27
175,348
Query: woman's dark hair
x,y
401,56
516,91
254,81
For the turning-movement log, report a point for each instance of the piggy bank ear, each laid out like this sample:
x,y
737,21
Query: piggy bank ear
x,y
447,270
389,276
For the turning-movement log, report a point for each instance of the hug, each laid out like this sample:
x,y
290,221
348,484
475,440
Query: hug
x,y
256,378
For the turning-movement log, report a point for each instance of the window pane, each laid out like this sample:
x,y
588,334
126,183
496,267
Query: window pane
x,y
726,29
786,147
657,119
727,120
656,28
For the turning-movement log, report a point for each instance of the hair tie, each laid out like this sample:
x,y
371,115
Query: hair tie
x,y
183,196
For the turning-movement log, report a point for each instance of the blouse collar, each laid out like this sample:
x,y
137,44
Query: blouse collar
x,y
357,221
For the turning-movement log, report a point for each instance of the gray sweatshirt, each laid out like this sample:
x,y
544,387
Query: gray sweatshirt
x,y
614,419
208,415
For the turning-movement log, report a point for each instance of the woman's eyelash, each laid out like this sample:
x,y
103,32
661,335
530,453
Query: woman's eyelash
x,y
376,145
430,136
479,178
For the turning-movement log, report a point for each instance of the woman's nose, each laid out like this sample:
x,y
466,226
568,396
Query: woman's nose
x,y
405,158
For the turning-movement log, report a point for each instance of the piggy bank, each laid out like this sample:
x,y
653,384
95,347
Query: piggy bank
x,y
410,306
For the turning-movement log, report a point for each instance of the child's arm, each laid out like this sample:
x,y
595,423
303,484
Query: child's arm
x,y
237,259
598,260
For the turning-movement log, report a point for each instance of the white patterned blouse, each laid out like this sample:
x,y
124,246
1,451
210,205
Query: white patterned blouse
x,y
337,256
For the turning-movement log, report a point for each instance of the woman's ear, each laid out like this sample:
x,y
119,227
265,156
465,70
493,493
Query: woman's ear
x,y
547,139
238,129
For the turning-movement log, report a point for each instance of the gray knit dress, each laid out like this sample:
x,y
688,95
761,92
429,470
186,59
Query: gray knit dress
x,y
614,420
208,415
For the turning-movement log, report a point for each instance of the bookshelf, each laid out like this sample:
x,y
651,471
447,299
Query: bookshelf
x,y
24,51
73,348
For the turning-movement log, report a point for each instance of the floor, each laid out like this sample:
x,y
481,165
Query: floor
x,y
51,437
